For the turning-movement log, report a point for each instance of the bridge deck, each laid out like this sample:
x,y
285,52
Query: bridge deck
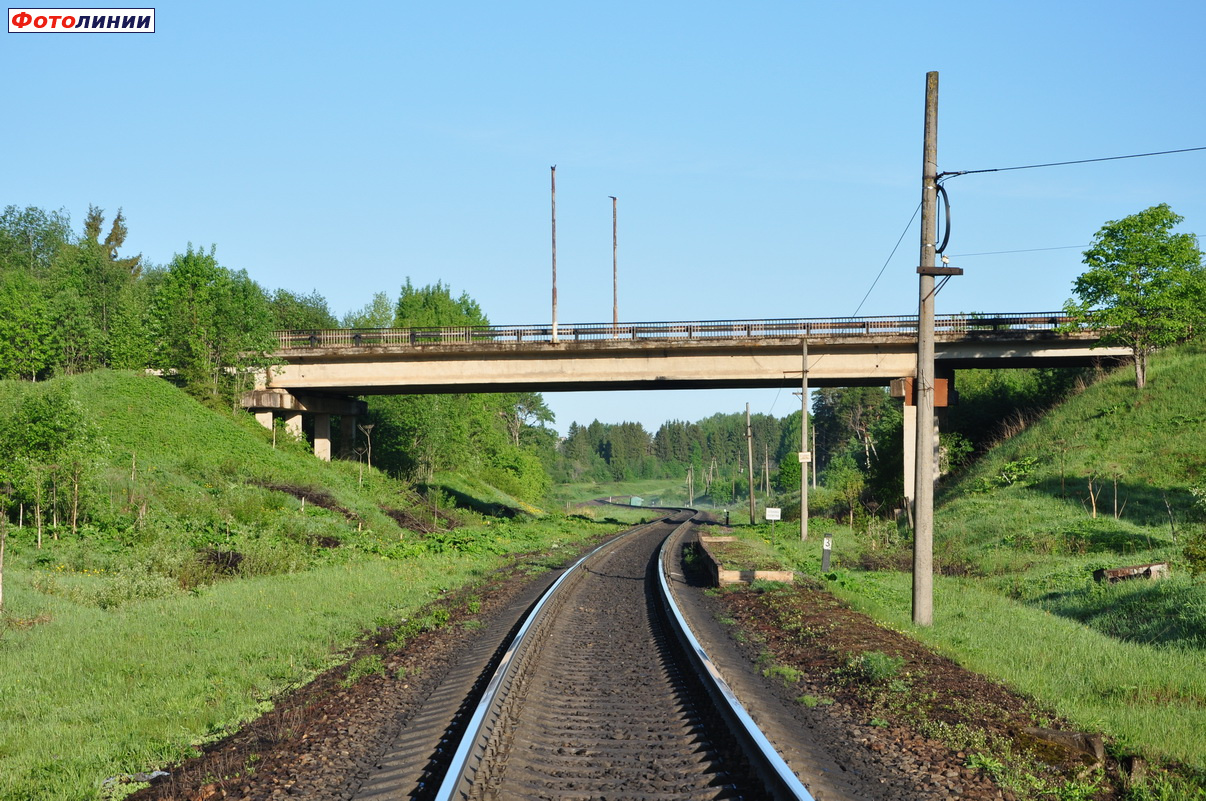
x,y
741,353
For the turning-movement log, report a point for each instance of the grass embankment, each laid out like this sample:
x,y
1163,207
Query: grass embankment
x,y
742,552
1018,541
667,491
126,645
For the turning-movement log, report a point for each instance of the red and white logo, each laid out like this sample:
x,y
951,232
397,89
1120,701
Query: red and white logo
x,y
81,20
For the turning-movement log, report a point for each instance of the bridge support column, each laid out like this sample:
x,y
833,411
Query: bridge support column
x,y
293,423
910,451
322,436
910,455
944,394
347,434
264,403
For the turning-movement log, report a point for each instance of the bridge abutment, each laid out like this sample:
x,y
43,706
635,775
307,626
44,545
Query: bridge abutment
x,y
266,404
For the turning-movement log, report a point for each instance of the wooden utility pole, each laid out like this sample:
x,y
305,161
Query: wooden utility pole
x,y
923,492
690,484
615,280
553,178
749,444
805,454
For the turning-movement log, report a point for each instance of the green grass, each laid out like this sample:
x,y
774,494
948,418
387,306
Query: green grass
x,y
1023,515
173,474
670,490
94,693
473,493
124,646
1152,443
747,552
1125,659
1146,698
91,693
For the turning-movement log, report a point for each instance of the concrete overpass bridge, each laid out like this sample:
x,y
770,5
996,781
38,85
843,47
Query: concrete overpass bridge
x,y
321,371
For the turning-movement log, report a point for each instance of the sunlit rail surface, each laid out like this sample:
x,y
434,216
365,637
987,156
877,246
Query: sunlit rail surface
x,y
603,692
951,324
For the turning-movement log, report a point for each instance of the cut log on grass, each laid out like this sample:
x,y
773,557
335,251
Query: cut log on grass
x,y
1154,570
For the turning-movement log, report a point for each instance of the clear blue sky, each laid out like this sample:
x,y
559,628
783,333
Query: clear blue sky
x,y
766,155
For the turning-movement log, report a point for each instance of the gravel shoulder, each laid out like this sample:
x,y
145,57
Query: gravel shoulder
x,y
930,729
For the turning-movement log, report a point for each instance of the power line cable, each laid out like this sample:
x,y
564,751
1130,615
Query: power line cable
x,y
879,275
887,261
1026,250
945,175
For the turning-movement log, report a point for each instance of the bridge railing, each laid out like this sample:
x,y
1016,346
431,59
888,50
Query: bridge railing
x,y
698,330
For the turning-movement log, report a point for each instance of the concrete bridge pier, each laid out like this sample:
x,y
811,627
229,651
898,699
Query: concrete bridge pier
x,y
293,423
266,403
322,436
944,396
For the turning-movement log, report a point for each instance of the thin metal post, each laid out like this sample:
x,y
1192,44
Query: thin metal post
x,y
553,179
923,494
749,443
615,280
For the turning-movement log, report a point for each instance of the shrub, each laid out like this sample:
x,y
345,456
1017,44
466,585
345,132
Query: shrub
x,y
1195,552
131,585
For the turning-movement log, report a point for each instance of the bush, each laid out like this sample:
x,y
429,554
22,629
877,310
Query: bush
x,y
1195,552
131,585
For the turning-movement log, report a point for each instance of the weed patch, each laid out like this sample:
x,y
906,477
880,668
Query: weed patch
x,y
371,665
872,667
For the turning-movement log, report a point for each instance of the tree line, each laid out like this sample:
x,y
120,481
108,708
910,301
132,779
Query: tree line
x,y
71,303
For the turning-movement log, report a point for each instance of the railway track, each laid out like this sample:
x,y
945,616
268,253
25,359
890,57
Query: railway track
x,y
596,694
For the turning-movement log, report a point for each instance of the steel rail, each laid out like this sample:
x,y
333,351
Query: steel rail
x,y
765,758
470,751
478,729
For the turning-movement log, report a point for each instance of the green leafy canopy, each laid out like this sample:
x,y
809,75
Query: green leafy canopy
x,y
1145,284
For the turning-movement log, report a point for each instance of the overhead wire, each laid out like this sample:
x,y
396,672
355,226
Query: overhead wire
x,y
878,275
1025,250
944,175
887,261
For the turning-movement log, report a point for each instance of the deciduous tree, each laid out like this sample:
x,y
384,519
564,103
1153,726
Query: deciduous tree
x,y
25,328
213,326
293,311
1145,285
377,313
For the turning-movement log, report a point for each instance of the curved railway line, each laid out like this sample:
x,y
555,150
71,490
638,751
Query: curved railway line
x,y
599,692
